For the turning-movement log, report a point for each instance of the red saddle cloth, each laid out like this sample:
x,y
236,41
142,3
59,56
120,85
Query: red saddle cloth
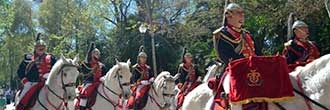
x,y
90,93
30,98
138,99
259,79
182,93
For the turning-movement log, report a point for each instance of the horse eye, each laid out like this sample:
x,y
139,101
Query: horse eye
x,y
120,76
64,74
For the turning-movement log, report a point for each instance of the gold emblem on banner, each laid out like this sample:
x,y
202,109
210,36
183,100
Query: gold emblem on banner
x,y
254,78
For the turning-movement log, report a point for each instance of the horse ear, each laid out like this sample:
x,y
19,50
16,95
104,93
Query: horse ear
x,y
117,62
64,59
76,59
129,62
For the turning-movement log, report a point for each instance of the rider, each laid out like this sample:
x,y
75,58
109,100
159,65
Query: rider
x,y
299,50
34,70
93,71
189,78
141,80
231,42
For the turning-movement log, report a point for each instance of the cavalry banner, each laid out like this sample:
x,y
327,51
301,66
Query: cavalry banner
x,y
259,79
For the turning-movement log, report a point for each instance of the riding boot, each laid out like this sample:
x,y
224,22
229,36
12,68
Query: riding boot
x,y
135,106
82,108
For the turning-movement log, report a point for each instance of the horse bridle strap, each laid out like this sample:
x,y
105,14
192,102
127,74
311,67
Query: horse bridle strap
x,y
63,86
106,87
108,99
164,95
311,100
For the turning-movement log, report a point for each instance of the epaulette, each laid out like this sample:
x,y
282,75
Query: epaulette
x,y
217,31
311,42
148,66
28,57
134,66
246,30
286,44
181,65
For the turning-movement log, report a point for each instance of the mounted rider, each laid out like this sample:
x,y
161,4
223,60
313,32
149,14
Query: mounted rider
x,y
299,50
231,42
33,71
142,79
189,78
93,71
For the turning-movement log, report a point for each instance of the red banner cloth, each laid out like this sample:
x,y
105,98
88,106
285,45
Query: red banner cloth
x,y
259,79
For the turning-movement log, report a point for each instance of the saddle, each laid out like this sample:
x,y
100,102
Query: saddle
x,y
30,98
137,103
253,82
90,100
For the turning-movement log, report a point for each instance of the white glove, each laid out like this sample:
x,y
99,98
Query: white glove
x,y
102,79
145,82
151,80
199,79
45,75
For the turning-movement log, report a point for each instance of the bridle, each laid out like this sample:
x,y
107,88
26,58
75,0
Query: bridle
x,y
63,97
164,95
121,85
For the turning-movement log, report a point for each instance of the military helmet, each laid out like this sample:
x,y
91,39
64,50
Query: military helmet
x,y
141,54
293,23
92,49
39,41
298,24
185,54
232,7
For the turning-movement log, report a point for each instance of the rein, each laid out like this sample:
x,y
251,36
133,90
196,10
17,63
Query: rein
x,y
107,98
63,99
307,99
164,95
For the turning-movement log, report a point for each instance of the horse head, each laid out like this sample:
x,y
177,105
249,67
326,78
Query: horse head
x,y
164,87
118,78
213,70
63,76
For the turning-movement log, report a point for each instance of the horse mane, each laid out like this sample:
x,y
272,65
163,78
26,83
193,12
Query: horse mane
x,y
160,79
112,71
55,70
313,67
210,72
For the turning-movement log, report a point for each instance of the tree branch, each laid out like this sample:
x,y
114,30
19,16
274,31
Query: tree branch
x,y
108,19
174,16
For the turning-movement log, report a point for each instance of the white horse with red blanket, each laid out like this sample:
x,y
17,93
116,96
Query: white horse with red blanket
x,y
315,84
161,94
114,89
59,87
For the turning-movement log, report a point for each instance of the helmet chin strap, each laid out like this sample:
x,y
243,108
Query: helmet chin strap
x,y
95,58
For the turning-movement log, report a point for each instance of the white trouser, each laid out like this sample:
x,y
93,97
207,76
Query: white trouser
x,y
83,101
26,88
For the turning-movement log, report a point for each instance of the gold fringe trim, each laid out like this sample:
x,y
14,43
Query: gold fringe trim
x,y
263,99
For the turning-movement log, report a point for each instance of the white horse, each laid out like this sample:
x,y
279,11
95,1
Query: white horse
x,y
202,94
315,78
211,72
161,94
60,85
115,85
